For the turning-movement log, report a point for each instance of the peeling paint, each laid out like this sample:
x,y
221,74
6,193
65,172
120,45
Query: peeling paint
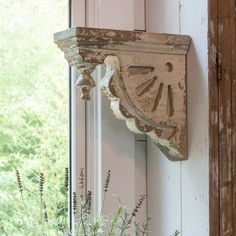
x,y
147,87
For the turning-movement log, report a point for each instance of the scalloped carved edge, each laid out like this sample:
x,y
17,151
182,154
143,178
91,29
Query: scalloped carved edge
x,y
164,144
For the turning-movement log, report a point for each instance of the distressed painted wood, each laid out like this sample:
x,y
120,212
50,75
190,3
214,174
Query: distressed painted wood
x,y
223,108
226,32
233,76
145,79
214,200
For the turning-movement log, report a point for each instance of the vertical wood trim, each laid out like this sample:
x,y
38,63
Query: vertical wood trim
x,y
78,15
222,118
214,199
94,122
233,74
139,15
94,147
225,116
78,114
92,13
78,108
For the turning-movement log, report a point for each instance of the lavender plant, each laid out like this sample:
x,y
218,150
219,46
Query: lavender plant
x,y
89,225
121,223
41,223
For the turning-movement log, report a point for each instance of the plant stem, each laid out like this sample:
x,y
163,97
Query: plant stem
x,y
82,221
65,211
4,231
114,221
41,212
126,226
103,203
26,212
75,225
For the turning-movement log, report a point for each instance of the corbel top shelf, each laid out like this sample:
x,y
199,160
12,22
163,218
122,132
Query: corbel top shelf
x,y
122,40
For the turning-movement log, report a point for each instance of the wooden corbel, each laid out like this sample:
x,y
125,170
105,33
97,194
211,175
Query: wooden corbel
x,y
145,79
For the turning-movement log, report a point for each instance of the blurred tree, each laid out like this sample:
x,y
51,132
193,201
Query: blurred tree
x,y
33,106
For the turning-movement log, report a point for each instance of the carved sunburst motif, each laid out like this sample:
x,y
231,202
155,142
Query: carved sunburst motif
x,y
146,86
145,97
136,109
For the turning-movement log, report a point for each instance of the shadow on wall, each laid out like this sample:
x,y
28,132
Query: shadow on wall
x,y
197,90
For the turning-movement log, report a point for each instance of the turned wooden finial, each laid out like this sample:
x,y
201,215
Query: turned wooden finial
x,y
85,82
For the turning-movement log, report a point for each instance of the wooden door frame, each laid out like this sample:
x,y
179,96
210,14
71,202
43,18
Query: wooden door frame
x,y
222,115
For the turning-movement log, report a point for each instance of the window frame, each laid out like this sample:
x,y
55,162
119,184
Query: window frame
x,y
77,111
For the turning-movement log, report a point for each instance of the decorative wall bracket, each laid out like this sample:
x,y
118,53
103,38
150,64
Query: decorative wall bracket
x,y
145,79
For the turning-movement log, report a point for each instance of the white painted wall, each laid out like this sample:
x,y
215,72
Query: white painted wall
x,y
178,192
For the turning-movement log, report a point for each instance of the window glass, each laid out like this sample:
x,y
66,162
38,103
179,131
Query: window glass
x,y
33,110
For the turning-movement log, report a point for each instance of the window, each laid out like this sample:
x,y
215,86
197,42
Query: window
x,y
33,108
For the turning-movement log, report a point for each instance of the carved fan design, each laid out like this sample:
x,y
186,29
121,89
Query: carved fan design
x,y
144,97
141,106
146,86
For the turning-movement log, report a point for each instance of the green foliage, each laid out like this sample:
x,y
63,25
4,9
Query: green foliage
x,y
142,229
115,220
33,107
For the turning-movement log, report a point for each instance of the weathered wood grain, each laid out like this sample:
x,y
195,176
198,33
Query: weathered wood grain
x,y
233,76
214,198
222,118
225,124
